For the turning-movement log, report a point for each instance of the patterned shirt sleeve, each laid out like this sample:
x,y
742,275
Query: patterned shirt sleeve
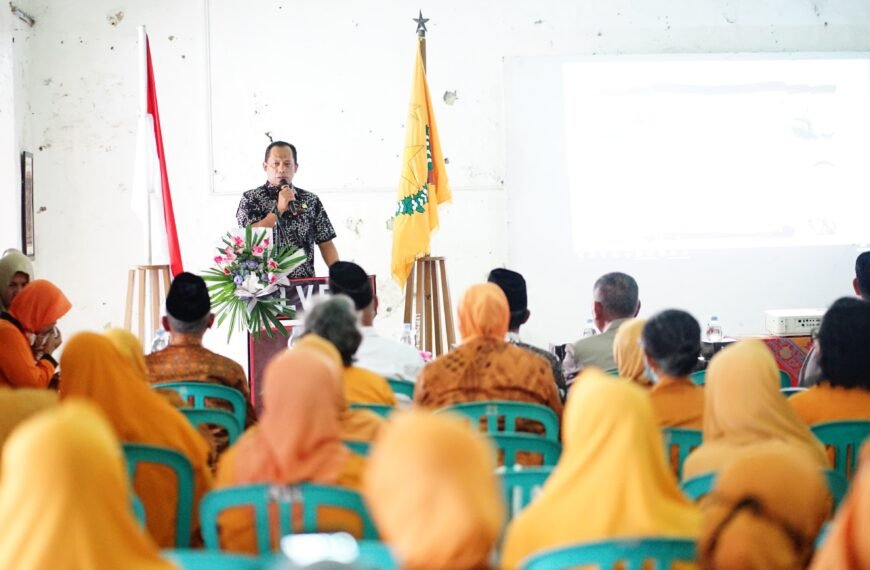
x,y
250,209
323,230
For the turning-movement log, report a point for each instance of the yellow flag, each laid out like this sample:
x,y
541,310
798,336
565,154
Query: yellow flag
x,y
423,185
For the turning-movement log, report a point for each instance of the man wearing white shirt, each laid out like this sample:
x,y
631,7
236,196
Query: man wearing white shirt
x,y
380,354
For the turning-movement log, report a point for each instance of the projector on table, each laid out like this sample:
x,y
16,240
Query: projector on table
x,y
793,322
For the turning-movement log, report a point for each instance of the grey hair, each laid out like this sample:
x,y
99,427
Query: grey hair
x,y
334,318
198,326
618,294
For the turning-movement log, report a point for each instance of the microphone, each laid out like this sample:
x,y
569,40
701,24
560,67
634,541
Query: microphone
x,y
284,183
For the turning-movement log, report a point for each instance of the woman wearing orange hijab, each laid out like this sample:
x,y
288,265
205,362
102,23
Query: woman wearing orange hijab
x,y
432,491
611,481
29,327
65,499
485,366
764,513
94,369
628,354
297,440
744,409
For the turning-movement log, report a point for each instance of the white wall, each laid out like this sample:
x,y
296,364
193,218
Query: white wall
x,y
77,66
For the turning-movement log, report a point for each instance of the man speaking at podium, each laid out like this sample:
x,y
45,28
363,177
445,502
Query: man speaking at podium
x,y
296,216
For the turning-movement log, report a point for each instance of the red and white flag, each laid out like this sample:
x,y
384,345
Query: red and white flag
x,y
152,199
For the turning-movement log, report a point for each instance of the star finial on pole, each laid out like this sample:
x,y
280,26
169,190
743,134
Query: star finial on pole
x,y
421,23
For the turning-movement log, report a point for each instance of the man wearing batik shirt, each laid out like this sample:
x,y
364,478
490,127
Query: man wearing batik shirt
x,y
296,216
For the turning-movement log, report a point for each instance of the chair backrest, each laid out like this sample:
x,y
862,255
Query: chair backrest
x,y
789,392
845,437
137,453
521,485
784,379
837,485
612,371
697,487
375,554
138,508
685,440
382,410
493,410
629,553
403,387
195,394
699,377
358,447
310,496
212,416
512,444
188,559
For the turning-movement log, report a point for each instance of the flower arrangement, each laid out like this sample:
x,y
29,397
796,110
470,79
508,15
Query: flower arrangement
x,y
244,283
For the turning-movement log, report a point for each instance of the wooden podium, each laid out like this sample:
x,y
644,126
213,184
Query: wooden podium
x,y
427,299
143,274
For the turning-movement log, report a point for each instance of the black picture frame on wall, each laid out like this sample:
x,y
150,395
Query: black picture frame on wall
x,y
28,233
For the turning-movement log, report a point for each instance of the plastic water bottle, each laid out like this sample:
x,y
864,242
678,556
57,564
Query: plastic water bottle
x,y
407,335
714,330
160,340
589,329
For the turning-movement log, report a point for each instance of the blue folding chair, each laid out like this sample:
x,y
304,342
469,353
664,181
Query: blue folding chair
x,y
309,496
214,417
845,437
382,410
492,410
196,393
512,444
188,559
137,453
403,387
685,440
697,487
521,485
359,447
628,553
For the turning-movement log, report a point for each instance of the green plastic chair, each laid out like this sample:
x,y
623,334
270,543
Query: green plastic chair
x,y
492,410
612,371
188,559
511,444
217,417
375,554
789,392
359,447
137,453
138,508
784,379
845,437
699,377
629,553
382,410
685,440
521,485
403,387
195,393
309,495
697,487
837,485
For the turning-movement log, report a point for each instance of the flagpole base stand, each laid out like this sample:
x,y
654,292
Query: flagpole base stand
x,y
138,277
427,302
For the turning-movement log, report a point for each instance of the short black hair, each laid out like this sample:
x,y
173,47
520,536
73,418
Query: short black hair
x,y
514,286
673,339
619,294
844,340
862,274
284,144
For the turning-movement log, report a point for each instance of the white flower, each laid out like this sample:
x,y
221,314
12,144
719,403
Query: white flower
x,y
252,283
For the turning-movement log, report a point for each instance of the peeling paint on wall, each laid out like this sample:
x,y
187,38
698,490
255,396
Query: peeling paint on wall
x,y
115,19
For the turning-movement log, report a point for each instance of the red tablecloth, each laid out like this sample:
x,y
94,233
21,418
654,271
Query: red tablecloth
x,y
790,353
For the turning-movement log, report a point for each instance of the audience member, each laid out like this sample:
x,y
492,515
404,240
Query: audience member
x,y
297,440
628,353
671,345
65,499
611,481
844,355
29,335
383,356
615,300
16,271
94,369
744,411
764,513
514,286
18,405
432,491
334,319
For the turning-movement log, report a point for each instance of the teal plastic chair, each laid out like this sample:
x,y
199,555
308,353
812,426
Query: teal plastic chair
x,y
492,410
784,379
511,444
359,447
217,417
521,485
403,387
845,437
137,453
195,394
374,554
310,496
138,509
837,485
697,487
213,560
629,553
685,441
789,392
699,377
380,409
612,371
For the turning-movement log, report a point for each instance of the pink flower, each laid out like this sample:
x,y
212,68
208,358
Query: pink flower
x,y
218,259
266,242
272,264
240,249
257,250
272,278
230,255
237,241
226,270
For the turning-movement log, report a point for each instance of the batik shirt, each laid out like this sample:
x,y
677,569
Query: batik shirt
x,y
310,226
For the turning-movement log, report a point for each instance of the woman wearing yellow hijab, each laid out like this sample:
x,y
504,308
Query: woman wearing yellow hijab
x,y
628,353
19,404
65,499
611,481
94,369
432,491
743,408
